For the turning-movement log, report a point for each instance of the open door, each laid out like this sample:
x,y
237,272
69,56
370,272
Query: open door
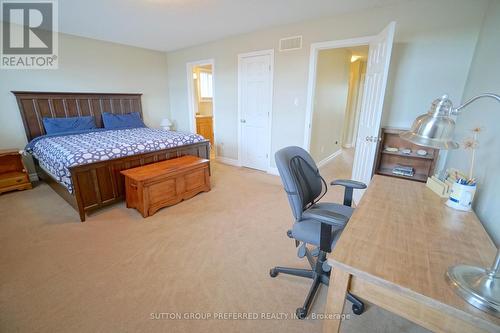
x,y
379,58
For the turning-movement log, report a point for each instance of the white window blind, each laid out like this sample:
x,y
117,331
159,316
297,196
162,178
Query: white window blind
x,y
206,91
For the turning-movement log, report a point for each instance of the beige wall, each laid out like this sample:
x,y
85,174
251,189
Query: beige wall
x,y
330,100
431,55
205,108
87,65
484,77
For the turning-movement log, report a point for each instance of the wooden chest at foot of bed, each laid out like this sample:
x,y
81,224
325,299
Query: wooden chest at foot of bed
x,y
154,186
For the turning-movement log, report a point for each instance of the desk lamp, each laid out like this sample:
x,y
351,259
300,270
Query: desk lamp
x,y
478,286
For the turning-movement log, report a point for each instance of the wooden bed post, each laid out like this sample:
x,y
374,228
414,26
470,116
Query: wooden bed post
x,y
77,195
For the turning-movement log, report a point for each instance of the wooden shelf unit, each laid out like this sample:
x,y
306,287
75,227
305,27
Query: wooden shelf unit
x,y
387,160
411,155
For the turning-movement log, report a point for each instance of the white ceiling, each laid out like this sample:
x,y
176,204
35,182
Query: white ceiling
x,y
174,24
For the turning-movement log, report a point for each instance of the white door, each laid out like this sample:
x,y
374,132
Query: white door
x,y
379,57
255,94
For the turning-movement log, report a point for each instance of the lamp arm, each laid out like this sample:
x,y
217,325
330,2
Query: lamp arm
x,y
495,268
456,110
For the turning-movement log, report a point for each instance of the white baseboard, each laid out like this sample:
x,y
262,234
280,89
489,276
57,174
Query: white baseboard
x,y
348,145
329,158
273,171
33,177
228,161
231,161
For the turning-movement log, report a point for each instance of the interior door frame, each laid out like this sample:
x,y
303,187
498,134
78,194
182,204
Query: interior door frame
x,y
192,107
269,52
311,85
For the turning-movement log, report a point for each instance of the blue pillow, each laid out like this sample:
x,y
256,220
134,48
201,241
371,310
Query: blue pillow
x,y
62,125
118,121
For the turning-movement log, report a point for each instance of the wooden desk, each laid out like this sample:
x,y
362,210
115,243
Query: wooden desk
x,y
395,251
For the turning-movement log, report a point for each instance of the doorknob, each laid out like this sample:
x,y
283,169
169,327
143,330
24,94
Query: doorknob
x,y
373,139
243,121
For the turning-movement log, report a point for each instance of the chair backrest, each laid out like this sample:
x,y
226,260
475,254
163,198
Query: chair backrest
x,y
300,177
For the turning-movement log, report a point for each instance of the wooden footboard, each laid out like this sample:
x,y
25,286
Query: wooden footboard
x,y
100,184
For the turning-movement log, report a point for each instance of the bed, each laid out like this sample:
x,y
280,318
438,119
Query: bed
x,y
84,168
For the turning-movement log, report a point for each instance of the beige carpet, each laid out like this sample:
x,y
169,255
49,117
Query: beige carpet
x,y
210,254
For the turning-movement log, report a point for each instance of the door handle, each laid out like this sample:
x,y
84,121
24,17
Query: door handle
x,y
243,121
373,139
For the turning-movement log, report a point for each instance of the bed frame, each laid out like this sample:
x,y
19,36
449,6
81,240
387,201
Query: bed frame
x,y
96,184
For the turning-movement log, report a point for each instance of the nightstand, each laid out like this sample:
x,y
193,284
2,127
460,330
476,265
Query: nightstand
x,y
13,174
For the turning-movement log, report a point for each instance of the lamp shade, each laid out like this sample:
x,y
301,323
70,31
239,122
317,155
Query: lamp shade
x,y
165,122
435,128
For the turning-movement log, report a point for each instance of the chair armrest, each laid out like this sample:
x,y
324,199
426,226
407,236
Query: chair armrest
x,y
349,183
328,220
326,216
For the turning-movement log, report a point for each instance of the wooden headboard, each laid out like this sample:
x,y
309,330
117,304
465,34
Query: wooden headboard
x,y
34,106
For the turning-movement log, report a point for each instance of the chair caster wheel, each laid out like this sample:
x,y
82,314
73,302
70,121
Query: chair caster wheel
x,y
273,272
301,313
358,309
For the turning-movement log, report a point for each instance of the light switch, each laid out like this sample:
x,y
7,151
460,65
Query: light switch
x,y
296,101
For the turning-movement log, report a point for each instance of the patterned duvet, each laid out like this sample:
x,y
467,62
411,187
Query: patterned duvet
x,y
56,154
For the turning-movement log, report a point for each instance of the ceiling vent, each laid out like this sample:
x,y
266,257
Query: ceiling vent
x,y
290,43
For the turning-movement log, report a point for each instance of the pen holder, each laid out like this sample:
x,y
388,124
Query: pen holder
x,y
461,196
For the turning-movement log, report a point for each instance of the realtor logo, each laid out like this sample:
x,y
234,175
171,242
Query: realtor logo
x,y
29,34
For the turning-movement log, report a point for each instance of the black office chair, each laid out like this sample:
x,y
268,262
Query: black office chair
x,y
316,223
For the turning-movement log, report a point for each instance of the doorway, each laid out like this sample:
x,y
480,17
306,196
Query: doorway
x,y
255,87
201,100
359,127
337,102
